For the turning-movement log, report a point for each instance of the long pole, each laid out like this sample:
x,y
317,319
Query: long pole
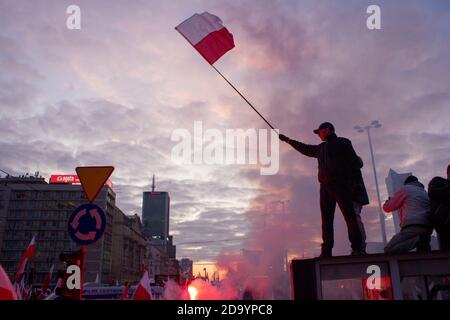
x,y
83,268
380,211
286,260
245,99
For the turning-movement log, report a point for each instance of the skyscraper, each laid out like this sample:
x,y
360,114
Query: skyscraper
x,y
394,181
155,213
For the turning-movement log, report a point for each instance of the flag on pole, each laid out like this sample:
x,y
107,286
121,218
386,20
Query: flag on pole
x,y
143,291
29,252
18,290
7,291
22,292
59,284
126,291
48,278
206,33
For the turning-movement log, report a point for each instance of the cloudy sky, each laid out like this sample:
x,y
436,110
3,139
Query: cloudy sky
x,y
113,92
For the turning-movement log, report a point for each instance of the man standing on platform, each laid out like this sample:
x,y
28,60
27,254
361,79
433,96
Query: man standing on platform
x,y
341,182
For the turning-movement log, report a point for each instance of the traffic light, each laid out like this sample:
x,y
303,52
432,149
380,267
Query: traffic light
x,y
72,276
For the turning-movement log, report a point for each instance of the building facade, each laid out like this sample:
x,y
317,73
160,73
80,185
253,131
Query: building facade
x,y
186,269
30,206
129,248
162,262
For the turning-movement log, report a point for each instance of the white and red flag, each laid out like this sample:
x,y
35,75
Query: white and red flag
x,y
143,291
47,279
29,252
59,284
126,291
206,33
7,291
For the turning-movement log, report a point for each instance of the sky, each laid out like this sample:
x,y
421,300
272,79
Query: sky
x,y
113,92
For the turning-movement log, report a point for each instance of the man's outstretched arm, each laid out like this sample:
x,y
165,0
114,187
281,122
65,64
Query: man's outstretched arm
x,y
305,149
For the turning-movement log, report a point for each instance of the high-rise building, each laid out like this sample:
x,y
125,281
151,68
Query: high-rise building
x,y
394,182
161,252
155,213
30,206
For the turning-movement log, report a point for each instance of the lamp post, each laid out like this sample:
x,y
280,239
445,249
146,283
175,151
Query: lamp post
x,y
374,125
283,204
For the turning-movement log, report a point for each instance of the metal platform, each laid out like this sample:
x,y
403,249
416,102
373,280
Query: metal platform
x,y
411,276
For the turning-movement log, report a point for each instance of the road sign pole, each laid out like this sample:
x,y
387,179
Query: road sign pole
x,y
83,268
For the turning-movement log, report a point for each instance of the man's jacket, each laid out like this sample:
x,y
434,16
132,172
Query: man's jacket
x,y
439,193
338,163
413,204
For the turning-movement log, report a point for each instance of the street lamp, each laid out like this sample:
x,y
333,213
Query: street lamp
x,y
283,204
374,125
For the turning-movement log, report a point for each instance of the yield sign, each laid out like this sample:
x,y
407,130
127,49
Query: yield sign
x,y
92,179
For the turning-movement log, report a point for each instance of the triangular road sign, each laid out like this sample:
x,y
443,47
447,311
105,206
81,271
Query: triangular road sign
x,y
92,179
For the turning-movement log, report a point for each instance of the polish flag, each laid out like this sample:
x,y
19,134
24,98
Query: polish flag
x,y
143,291
48,278
126,291
29,252
206,33
7,291
59,284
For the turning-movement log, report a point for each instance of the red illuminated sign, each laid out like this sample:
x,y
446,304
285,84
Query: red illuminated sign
x,y
65,178
71,179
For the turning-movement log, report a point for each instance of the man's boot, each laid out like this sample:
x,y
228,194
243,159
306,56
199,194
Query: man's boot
x,y
359,252
326,253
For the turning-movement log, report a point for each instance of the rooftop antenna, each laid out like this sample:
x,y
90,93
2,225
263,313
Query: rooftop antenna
x,y
153,183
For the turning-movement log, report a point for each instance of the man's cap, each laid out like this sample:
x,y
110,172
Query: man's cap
x,y
410,179
323,126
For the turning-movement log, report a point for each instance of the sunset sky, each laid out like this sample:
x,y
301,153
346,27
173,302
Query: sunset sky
x,y
113,92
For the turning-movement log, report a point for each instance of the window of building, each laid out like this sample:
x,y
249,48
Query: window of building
x,y
19,195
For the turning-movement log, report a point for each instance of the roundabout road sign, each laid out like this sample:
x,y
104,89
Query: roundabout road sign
x,y
87,224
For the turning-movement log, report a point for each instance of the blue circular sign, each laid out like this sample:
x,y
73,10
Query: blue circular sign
x,y
87,224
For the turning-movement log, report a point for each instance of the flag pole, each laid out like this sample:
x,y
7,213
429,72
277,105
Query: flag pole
x,y
245,99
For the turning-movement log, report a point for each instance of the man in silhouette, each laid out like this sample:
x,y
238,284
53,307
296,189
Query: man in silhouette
x,y
439,193
341,182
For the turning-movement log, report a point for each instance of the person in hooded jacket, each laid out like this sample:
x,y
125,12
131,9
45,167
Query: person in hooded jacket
x,y
413,205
